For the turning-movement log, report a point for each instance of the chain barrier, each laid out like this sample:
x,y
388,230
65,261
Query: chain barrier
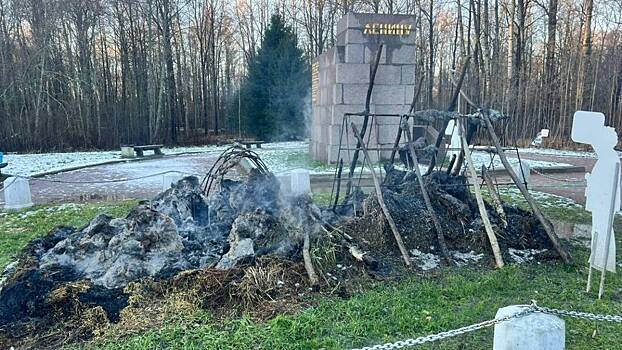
x,y
580,315
529,309
95,182
557,178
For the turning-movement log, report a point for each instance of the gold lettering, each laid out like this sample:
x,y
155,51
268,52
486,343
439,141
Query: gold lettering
x,y
408,28
387,29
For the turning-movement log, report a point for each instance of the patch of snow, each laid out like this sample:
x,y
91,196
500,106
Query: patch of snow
x,y
522,256
558,152
484,158
425,261
463,259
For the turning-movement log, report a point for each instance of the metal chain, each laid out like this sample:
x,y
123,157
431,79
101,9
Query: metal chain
x,y
580,315
555,178
439,336
529,310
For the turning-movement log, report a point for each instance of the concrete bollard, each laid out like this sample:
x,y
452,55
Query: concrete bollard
x,y
295,183
127,152
300,182
17,193
285,180
170,179
525,175
533,331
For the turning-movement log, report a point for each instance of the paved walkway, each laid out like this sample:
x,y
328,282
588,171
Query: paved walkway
x,y
93,183
569,185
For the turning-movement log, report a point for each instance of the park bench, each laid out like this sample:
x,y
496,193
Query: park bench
x,y
140,150
249,143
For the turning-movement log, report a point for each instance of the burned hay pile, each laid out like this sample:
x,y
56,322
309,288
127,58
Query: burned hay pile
x,y
519,234
180,240
246,244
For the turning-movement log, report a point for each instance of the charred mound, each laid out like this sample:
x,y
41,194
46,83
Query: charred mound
x,y
458,214
71,270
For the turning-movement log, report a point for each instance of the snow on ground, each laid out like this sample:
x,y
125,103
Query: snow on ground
x,y
278,156
557,152
480,157
31,164
545,200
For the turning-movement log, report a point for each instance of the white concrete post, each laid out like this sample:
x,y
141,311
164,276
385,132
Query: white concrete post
x,y
170,179
17,193
300,182
533,331
295,183
127,152
525,175
286,183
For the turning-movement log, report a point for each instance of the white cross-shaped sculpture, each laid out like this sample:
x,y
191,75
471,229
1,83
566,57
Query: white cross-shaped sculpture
x,y
603,187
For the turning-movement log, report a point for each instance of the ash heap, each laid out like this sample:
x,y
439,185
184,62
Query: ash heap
x,y
178,230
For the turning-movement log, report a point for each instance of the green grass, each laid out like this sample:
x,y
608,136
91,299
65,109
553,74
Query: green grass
x,y
387,311
17,228
410,308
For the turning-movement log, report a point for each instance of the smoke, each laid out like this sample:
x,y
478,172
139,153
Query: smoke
x,y
308,114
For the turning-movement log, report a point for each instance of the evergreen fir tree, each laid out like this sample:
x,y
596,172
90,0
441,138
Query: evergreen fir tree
x,y
277,87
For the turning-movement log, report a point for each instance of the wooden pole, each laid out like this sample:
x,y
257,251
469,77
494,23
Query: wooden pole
x,y
496,200
306,256
379,195
411,110
424,192
523,189
480,201
614,191
370,88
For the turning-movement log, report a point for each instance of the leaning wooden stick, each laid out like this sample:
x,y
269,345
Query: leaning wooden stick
x,y
496,200
306,256
523,189
424,192
480,201
385,210
398,137
370,88
614,197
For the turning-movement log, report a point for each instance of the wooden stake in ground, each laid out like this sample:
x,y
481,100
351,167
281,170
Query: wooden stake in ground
x,y
523,189
496,200
612,211
385,210
306,256
424,192
480,201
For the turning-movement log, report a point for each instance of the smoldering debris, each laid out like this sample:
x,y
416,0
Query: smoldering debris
x,y
179,230
245,243
459,217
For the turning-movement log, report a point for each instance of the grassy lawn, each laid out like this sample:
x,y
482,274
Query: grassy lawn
x,y
387,311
